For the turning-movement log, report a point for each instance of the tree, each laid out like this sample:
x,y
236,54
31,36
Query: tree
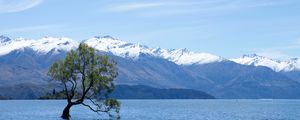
x,y
87,79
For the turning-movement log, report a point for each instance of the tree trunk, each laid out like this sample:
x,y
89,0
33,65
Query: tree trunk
x,y
66,112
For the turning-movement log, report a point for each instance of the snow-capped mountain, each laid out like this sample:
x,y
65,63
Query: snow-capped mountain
x,y
41,46
4,39
124,49
133,51
107,44
117,47
47,44
276,65
7,45
295,63
186,57
26,62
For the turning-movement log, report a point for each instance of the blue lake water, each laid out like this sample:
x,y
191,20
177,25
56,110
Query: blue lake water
x,y
159,110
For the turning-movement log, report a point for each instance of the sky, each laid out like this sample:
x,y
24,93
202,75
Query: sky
x,y
228,28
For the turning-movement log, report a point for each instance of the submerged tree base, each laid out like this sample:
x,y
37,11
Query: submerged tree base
x,y
66,112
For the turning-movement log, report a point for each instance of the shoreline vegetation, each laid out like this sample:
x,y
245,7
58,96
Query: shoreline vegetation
x,y
120,92
4,98
144,92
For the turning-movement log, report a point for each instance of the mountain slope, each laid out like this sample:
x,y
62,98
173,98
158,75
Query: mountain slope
x,y
27,64
156,72
232,80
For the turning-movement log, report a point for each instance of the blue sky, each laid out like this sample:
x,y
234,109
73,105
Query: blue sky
x,y
229,28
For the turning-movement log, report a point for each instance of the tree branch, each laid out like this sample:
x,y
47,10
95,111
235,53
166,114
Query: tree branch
x,y
95,110
83,78
67,93
94,102
72,89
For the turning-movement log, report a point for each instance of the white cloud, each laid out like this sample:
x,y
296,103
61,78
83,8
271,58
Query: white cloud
x,y
189,6
32,28
9,6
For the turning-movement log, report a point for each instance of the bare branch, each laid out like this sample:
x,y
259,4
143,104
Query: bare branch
x,y
95,110
96,104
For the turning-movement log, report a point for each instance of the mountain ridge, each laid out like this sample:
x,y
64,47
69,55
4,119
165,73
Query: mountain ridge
x,y
133,50
155,67
292,64
110,44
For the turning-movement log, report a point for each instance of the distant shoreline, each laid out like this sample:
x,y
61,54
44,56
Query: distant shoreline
x,y
136,92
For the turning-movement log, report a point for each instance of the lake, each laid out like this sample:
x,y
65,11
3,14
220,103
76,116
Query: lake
x,y
159,110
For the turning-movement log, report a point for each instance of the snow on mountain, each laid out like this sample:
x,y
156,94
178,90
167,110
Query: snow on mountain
x,y
41,46
117,47
124,49
294,64
133,51
186,57
47,44
106,44
7,45
276,65
4,39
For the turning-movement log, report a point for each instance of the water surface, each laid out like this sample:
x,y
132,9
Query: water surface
x,y
159,110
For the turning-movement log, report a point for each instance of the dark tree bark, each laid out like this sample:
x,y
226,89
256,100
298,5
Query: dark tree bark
x,y
66,112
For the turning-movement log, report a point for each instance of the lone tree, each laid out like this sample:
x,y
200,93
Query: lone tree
x,y
87,79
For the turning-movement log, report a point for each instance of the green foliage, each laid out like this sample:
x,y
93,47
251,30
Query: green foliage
x,y
113,103
86,74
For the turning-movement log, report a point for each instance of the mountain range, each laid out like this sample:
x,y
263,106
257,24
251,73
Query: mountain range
x,y
24,62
